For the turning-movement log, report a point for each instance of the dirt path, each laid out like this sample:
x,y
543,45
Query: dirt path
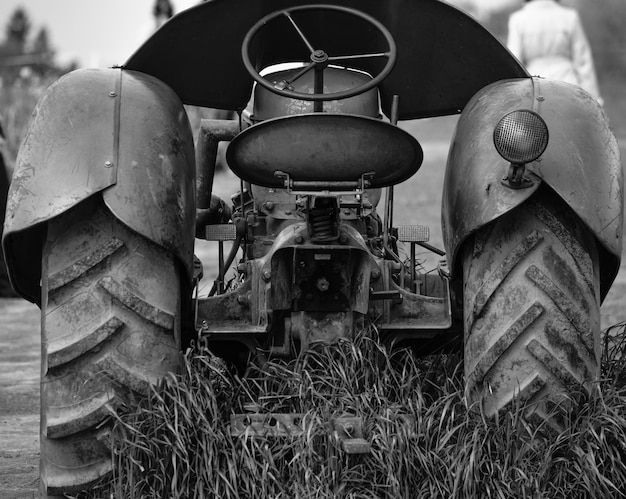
x,y
19,399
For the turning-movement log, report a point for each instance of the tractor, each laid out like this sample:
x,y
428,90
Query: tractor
x,y
112,189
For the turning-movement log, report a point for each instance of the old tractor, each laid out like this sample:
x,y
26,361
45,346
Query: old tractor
x,y
111,190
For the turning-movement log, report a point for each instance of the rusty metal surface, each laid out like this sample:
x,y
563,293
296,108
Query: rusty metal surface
x,y
68,154
99,129
581,164
155,190
325,147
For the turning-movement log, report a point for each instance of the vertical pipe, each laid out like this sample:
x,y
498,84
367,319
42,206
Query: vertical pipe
x,y
318,88
211,133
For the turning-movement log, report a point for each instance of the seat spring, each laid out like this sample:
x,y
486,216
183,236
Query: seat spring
x,y
322,222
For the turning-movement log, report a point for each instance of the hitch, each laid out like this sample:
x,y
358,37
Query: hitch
x,y
347,430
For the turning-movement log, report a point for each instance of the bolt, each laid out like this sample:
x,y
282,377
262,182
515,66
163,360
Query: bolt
x,y
323,284
299,239
269,206
112,94
108,164
375,274
343,239
267,274
243,299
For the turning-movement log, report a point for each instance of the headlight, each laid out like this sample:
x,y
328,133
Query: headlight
x,y
521,136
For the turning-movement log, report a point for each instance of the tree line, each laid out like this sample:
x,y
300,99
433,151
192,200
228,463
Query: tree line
x,y
25,52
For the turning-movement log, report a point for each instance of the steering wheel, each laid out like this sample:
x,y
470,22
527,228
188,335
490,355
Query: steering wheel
x,y
319,59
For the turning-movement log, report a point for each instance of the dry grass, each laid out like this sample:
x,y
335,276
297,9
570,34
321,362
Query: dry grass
x,y
177,443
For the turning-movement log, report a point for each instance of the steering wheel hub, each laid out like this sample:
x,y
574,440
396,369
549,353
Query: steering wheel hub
x,y
319,57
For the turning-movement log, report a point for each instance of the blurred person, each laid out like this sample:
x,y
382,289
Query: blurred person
x,y
548,38
162,11
6,291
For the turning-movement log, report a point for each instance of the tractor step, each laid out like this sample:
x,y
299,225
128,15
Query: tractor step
x,y
221,232
413,233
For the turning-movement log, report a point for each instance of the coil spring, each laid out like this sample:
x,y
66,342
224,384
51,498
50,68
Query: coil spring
x,y
323,223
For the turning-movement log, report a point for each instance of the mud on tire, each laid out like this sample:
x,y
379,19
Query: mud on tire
x,y
110,328
531,307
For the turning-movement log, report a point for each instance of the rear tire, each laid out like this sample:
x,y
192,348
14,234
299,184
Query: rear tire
x,y
110,329
531,308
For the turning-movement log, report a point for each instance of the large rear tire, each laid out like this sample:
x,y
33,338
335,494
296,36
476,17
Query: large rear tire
x,y
110,328
531,308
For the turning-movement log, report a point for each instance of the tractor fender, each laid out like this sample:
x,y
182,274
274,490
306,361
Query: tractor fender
x,y
121,134
581,164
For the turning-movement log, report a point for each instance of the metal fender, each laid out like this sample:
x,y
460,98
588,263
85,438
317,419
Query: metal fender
x,y
119,133
581,164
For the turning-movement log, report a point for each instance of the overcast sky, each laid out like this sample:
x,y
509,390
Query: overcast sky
x,y
106,32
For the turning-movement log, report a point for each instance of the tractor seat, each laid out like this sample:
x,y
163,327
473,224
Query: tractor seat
x,y
324,151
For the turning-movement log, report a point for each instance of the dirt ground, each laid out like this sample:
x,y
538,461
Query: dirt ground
x,y
20,331
19,398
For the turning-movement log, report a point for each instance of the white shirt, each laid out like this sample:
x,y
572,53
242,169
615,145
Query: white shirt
x,y
549,40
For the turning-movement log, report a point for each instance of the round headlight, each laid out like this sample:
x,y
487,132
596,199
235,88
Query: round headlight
x,y
521,136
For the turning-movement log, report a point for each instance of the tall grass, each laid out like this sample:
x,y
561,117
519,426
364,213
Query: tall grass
x,y
17,102
425,439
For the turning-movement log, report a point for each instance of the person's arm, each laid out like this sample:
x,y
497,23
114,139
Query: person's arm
x,y
583,60
514,40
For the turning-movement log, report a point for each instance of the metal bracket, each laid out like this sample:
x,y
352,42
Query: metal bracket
x,y
349,432
516,178
313,187
263,425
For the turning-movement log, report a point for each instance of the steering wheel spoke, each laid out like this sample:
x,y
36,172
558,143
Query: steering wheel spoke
x,y
333,58
285,83
319,58
297,28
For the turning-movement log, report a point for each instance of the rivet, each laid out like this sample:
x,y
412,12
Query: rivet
x,y
266,274
112,94
108,164
541,98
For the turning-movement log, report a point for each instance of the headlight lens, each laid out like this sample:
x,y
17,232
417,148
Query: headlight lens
x,y
521,136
